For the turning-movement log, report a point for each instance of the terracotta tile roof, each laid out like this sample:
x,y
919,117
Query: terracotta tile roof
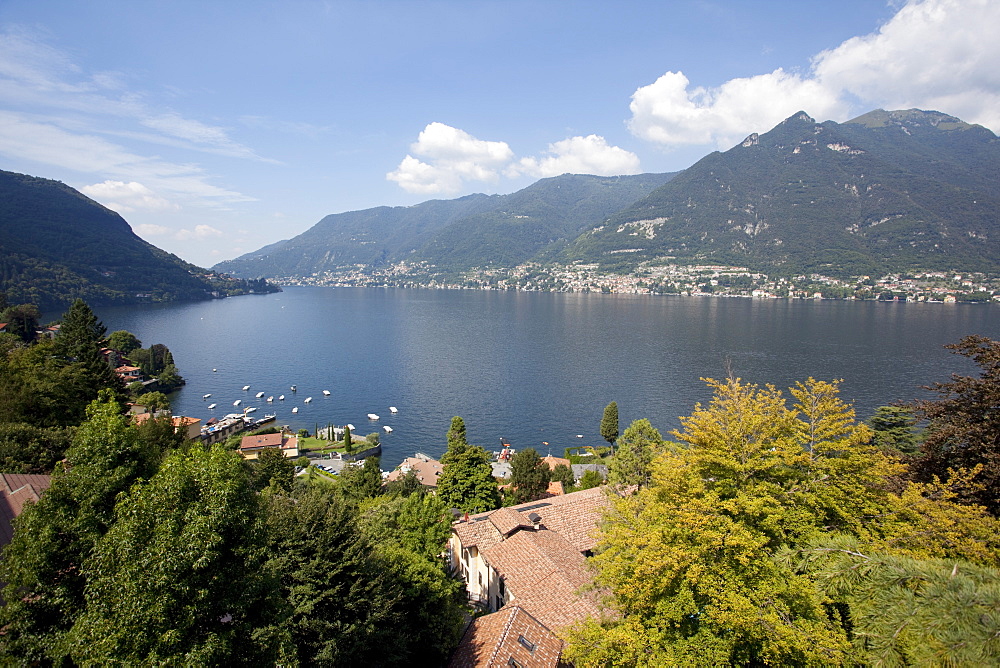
x,y
555,488
426,468
16,490
506,520
511,633
555,461
544,573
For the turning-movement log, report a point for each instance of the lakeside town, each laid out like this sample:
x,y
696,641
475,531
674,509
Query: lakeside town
x,y
672,279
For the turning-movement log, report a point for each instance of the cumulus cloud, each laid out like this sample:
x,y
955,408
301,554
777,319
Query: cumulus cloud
x,y
126,197
891,68
451,157
580,155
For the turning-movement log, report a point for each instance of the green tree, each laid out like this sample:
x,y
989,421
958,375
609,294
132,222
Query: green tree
x,y
362,482
348,443
963,425
529,477
894,429
563,474
43,564
590,479
154,401
272,468
609,423
456,435
419,523
180,574
22,321
124,341
632,464
25,448
466,481
405,485
341,599
80,338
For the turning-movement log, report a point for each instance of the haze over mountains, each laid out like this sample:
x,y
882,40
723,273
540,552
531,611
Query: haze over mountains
x,y
888,191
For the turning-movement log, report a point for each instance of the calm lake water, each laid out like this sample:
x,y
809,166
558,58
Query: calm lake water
x,y
533,367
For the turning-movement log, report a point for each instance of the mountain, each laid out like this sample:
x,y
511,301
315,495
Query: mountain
x,y
476,230
887,191
57,244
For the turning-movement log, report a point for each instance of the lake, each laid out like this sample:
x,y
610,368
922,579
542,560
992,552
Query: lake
x,y
534,368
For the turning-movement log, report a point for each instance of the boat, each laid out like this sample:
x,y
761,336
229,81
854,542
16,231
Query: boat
x,y
372,416
210,406
270,399
268,417
326,393
295,410
214,370
387,429
246,387
251,409
350,426
281,398
237,402
393,409
205,396
308,399
260,394
293,388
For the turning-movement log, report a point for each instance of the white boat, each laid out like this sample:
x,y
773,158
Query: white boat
x,y
326,393
281,398
270,399
351,427
295,410
308,399
387,429
211,406
372,416
246,387
237,402
293,388
260,394
214,370
393,409
205,396
251,409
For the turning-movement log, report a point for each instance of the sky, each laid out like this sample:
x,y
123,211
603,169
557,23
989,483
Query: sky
x,y
216,128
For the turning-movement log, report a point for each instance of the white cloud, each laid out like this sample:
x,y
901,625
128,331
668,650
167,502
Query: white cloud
x,y
453,157
933,54
580,155
200,232
150,230
126,197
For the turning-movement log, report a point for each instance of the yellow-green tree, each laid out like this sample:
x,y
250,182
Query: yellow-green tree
x,y
689,559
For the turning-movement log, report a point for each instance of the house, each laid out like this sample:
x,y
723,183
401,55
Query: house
x,y
508,638
553,462
251,446
190,427
533,557
427,469
16,491
216,430
129,374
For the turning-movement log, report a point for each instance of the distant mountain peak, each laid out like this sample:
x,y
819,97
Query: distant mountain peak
x,y
911,118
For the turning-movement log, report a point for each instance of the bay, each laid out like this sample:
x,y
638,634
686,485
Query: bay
x,y
534,368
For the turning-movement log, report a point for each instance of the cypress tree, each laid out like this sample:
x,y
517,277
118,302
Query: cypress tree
x,y
609,423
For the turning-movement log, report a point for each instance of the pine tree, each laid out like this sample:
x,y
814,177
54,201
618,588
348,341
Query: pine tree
x,y
529,476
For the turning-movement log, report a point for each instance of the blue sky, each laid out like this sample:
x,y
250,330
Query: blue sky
x,y
218,127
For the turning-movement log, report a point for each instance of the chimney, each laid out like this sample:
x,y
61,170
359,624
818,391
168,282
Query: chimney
x,y
536,520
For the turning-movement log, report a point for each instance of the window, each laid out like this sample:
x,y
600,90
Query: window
x,y
527,644
514,663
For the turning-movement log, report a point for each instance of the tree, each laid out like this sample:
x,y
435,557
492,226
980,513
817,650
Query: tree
x,y
43,565
80,338
894,429
272,468
466,481
689,558
590,479
563,474
22,321
419,523
609,423
348,443
362,482
25,448
529,476
632,464
181,572
154,402
124,341
906,610
963,425
456,436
